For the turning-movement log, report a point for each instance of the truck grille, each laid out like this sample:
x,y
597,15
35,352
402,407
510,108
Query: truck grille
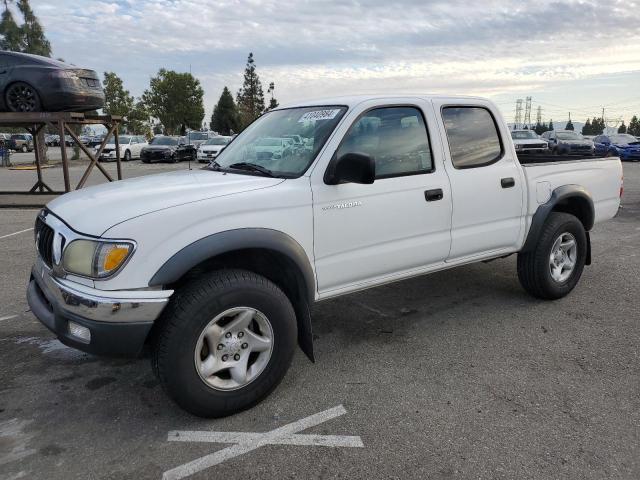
x,y
44,241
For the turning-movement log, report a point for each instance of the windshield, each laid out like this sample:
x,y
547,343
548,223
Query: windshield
x,y
569,136
623,139
198,135
217,141
263,142
523,135
163,141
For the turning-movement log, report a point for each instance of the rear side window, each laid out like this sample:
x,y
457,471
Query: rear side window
x,y
396,137
473,136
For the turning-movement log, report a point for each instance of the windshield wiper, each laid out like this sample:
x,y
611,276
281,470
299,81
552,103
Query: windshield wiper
x,y
252,167
213,165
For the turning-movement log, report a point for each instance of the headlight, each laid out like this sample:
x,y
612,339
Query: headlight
x,y
95,259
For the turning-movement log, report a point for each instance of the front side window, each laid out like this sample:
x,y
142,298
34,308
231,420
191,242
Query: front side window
x,y
395,137
266,144
473,136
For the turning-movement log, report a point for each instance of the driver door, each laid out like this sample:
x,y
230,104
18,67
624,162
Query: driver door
x,y
366,234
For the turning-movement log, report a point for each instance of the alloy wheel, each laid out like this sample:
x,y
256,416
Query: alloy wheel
x,y
234,348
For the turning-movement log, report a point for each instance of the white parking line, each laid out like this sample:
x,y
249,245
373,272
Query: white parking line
x,y
16,233
248,441
8,317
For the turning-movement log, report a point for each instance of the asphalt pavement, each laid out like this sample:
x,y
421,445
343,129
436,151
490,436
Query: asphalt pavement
x,y
458,374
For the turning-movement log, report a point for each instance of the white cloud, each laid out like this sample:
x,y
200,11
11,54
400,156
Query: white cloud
x,y
334,47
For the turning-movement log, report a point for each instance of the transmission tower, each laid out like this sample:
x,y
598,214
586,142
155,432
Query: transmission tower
x,y
518,118
527,112
539,115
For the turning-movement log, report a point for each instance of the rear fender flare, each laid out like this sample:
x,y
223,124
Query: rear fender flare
x,y
559,195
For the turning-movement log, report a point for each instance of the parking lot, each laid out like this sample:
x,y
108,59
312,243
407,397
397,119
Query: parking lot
x,y
459,374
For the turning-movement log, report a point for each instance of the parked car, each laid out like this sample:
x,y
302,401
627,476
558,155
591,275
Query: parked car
x,y
568,142
21,142
130,147
52,140
96,141
622,145
167,149
272,147
196,138
527,141
31,83
209,149
215,269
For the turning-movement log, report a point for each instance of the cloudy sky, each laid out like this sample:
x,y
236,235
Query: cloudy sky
x,y
576,56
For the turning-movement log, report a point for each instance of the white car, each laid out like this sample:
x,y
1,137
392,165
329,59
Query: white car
x,y
209,149
528,141
130,147
215,269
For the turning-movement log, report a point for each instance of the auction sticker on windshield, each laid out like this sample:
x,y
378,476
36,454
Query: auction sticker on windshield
x,y
319,115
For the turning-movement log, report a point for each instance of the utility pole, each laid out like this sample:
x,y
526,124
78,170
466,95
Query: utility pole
x,y
518,117
527,112
539,115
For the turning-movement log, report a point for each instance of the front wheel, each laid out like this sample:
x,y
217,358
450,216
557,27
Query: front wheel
x,y
224,343
552,269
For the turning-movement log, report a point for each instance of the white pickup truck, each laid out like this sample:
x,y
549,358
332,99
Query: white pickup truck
x,y
215,269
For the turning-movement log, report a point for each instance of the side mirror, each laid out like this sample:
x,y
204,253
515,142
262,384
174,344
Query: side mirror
x,y
351,168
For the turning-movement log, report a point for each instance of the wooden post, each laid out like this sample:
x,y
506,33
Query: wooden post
x,y
65,160
116,136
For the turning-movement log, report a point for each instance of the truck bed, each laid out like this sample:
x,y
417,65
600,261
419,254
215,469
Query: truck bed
x,y
600,176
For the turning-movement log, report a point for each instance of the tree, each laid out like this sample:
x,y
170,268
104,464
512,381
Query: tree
x,y
622,128
550,125
117,100
225,119
250,97
597,126
586,129
569,125
138,120
10,34
634,126
273,103
32,32
176,100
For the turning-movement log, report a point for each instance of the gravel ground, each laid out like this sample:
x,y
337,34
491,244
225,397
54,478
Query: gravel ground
x,y
458,374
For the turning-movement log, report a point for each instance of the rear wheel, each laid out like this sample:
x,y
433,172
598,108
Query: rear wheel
x,y
225,342
127,156
22,97
552,269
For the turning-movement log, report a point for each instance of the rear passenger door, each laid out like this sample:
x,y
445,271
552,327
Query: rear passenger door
x,y
487,181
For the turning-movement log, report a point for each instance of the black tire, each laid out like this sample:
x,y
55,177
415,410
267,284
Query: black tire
x,y
191,308
144,160
174,158
22,97
533,267
127,156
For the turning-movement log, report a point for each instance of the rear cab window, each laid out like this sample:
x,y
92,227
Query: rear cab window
x,y
473,137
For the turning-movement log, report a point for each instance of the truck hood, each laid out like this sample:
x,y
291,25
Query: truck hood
x,y
94,210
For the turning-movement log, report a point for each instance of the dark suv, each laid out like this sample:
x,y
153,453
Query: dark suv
x,y
21,142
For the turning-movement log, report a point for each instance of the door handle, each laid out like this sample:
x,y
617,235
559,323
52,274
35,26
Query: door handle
x,y
507,182
433,195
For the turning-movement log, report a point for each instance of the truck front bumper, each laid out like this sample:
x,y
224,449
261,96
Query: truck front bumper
x,y
94,321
